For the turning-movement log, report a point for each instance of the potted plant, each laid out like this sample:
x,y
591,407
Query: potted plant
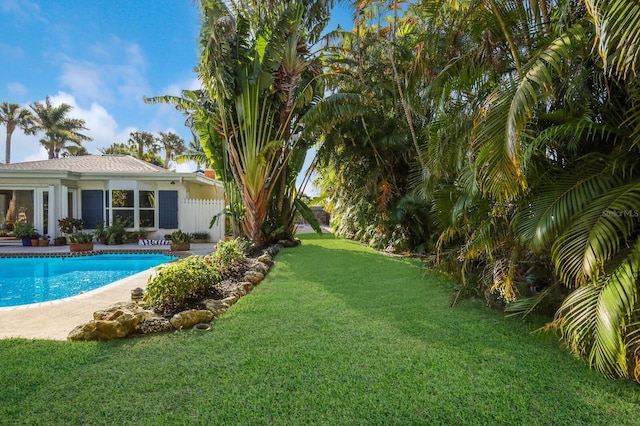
x,y
140,234
24,231
199,237
35,239
80,241
59,241
100,233
117,231
44,241
180,241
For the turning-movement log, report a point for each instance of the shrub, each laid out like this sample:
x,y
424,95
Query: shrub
x,y
200,235
80,238
229,253
23,230
116,232
179,237
179,283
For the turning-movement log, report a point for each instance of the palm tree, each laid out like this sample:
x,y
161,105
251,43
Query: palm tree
x,y
172,144
141,142
119,149
74,151
195,153
57,127
13,116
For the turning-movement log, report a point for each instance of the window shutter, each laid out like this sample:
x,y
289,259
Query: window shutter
x,y
92,208
168,209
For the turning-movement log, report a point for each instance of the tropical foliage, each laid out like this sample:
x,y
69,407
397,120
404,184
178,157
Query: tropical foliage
x,y
259,79
494,136
58,128
146,146
13,117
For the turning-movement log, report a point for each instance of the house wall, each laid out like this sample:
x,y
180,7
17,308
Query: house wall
x,y
64,198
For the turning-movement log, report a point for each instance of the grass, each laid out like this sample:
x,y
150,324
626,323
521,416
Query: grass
x,y
337,334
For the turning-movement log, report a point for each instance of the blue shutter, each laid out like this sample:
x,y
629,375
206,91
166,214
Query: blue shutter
x,y
92,208
168,209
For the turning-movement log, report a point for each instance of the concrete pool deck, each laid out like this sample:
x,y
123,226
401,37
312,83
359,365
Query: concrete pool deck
x,y
54,320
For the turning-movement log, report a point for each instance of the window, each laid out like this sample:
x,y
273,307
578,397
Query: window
x,y
147,202
122,205
137,207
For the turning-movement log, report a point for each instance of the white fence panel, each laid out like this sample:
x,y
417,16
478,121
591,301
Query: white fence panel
x,y
195,216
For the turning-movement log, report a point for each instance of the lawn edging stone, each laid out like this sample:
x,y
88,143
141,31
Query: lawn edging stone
x,y
127,319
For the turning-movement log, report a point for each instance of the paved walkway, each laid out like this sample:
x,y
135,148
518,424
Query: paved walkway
x,y
54,320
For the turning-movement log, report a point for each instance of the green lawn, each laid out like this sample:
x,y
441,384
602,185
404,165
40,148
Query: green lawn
x,y
336,334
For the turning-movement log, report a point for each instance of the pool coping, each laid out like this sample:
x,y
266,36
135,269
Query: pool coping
x,y
93,253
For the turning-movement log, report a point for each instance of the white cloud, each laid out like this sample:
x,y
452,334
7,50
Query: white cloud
x,y
11,53
16,88
23,9
115,72
85,80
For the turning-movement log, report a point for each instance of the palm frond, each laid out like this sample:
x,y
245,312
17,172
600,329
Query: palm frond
x,y
592,319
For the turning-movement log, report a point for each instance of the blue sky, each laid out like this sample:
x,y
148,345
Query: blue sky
x,y
101,57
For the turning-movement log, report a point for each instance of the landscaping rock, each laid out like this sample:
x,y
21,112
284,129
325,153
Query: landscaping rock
x,y
274,249
190,318
121,327
289,243
260,267
217,307
266,259
239,292
230,300
115,311
253,277
154,325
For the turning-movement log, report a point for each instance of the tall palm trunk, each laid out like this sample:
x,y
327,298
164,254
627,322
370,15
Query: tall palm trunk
x,y
7,152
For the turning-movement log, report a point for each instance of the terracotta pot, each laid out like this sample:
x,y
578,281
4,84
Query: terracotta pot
x,y
43,243
81,247
34,242
210,173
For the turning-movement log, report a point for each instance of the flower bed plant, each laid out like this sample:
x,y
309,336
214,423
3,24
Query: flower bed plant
x,y
230,252
179,283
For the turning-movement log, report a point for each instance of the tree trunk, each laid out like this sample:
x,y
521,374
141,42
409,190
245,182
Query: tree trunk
x,y
7,152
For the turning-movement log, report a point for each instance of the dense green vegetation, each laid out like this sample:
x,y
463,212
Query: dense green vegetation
x,y
500,138
337,334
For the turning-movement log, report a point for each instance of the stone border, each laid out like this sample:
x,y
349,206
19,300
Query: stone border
x,y
127,319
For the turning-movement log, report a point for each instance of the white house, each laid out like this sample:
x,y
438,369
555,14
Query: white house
x,y
99,188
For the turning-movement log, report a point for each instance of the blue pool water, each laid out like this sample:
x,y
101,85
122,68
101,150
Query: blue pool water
x,y
41,279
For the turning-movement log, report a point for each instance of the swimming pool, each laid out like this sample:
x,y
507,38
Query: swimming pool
x,y
27,280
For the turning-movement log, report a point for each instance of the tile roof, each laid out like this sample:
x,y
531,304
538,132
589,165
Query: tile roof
x,y
89,164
